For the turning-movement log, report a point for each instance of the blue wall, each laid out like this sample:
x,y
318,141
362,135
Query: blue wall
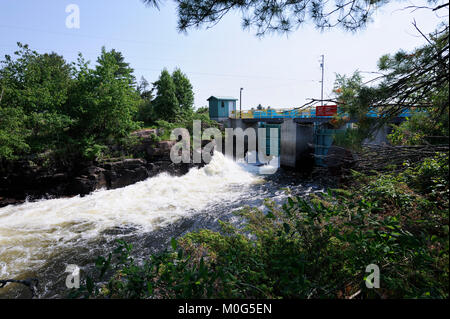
x,y
219,108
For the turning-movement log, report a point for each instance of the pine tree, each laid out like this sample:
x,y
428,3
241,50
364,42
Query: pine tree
x,y
183,91
166,105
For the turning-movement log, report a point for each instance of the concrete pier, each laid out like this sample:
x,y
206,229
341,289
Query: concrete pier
x,y
295,140
294,143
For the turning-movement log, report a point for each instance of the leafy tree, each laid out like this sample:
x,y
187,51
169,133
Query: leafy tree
x,y
145,110
183,91
124,71
103,102
166,105
36,82
202,110
144,89
34,90
13,133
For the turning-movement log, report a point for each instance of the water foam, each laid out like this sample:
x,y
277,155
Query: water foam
x,y
31,232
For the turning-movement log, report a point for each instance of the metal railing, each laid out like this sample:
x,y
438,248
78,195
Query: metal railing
x,y
295,113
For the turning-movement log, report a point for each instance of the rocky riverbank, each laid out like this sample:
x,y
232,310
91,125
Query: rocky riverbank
x,y
25,180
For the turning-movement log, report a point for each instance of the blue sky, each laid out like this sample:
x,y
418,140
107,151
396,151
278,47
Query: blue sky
x,y
280,71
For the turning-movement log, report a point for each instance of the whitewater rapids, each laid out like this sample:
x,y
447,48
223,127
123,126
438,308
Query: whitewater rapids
x,y
33,232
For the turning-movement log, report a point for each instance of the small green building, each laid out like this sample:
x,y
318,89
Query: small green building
x,y
221,107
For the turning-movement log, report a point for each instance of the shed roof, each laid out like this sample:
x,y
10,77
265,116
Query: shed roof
x,y
227,98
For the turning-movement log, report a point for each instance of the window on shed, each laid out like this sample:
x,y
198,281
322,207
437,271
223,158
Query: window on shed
x,y
223,104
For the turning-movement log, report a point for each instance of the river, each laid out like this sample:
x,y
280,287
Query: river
x,y
39,239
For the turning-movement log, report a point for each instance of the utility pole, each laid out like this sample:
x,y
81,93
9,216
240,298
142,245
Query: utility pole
x,y
322,65
240,103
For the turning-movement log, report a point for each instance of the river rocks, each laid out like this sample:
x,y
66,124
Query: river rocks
x,y
150,146
160,149
27,179
113,174
125,172
145,133
38,182
90,179
81,186
10,201
21,179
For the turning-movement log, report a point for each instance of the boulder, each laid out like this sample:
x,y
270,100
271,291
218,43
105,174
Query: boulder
x,y
125,172
160,149
145,133
126,177
80,186
96,174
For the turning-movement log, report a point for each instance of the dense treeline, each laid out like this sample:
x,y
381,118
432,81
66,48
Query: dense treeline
x,y
50,106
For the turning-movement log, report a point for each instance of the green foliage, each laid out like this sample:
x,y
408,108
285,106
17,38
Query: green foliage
x,y
122,70
421,129
356,100
351,138
183,91
93,151
34,89
50,106
199,115
13,133
103,102
316,247
174,97
34,82
166,105
348,90
186,122
145,112
430,177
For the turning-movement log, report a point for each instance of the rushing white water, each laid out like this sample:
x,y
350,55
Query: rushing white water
x,y
30,233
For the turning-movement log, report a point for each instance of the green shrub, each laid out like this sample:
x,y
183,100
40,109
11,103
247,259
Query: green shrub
x,y
430,176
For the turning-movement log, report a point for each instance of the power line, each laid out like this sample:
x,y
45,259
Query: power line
x,y
226,75
91,53
194,73
82,35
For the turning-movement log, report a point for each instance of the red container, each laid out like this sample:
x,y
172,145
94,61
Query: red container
x,y
326,110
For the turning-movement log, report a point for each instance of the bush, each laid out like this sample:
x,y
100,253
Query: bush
x,y
430,176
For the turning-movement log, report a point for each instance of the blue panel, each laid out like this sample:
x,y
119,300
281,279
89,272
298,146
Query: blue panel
x,y
323,139
405,113
213,112
223,108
